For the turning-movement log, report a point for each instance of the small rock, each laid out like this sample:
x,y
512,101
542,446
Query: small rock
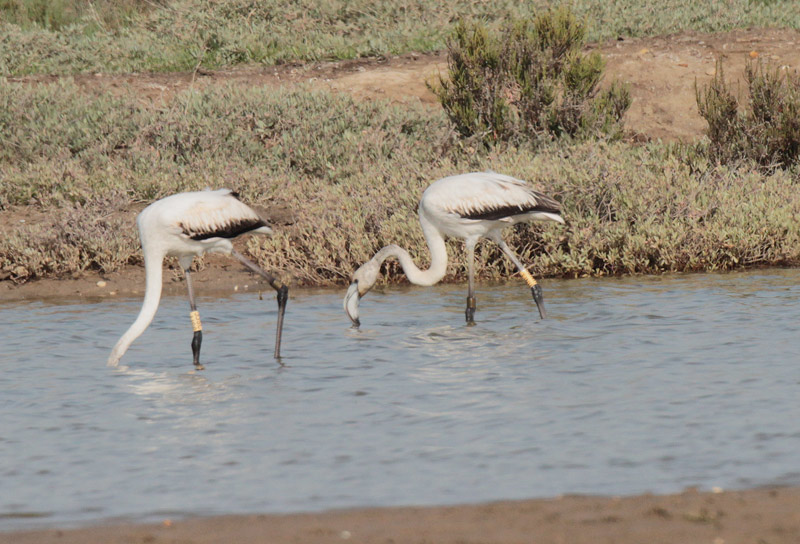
x,y
101,283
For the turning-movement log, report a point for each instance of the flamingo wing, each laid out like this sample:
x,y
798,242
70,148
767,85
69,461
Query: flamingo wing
x,y
493,197
219,214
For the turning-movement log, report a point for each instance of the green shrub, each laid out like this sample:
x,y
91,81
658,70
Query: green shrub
x,y
528,81
766,130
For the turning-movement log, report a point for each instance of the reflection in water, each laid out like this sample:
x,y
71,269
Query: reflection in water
x,y
164,384
631,385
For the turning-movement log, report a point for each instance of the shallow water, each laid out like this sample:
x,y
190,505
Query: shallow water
x,y
646,384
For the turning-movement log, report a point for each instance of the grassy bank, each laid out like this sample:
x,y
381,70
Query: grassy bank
x,y
343,178
70,36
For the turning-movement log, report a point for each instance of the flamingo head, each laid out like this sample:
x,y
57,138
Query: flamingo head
x,y
363,280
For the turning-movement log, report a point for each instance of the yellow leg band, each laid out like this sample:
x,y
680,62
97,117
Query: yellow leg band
x,y
196,325
527,277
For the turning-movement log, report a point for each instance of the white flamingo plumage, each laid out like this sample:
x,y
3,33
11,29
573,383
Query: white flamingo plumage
x,y
468,206
186,225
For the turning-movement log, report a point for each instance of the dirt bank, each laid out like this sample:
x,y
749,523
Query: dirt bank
x,y
762,515
219,276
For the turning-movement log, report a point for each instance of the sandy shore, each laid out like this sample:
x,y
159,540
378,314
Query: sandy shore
x,y
759,516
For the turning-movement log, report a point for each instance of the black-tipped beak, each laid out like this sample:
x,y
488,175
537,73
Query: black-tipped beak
x,y
536,290
350,304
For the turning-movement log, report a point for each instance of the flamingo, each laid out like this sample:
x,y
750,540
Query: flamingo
x,y
468,206
186,225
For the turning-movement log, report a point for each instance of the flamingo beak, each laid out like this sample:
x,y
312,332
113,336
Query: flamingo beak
x,y
351,300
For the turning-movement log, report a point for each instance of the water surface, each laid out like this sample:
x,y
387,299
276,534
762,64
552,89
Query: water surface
x,y
632,385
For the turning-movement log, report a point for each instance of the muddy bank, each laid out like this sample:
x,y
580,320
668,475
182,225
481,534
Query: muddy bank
x,y
731,517
219,277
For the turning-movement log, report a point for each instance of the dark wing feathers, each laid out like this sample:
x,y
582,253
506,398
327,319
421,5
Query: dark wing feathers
x,y
231,229
540,203
217,214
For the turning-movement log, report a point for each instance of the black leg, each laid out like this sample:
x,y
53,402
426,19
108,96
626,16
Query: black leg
x,y
283,297
197,326
471,302
197,339
470,312
536,289
282,290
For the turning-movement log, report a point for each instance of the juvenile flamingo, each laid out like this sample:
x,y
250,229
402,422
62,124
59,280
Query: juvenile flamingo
x,y
468,206
186,225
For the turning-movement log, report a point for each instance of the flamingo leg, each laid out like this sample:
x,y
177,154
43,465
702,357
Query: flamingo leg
x,y
197,339
536,289
282,290
471,303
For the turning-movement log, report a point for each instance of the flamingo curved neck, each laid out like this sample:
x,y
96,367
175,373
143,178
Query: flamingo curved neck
x,y
438,250
152,296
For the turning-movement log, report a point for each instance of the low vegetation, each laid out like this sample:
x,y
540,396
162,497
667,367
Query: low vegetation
x,y
341,178
765,128
57,15
325,162
71,36
528,82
